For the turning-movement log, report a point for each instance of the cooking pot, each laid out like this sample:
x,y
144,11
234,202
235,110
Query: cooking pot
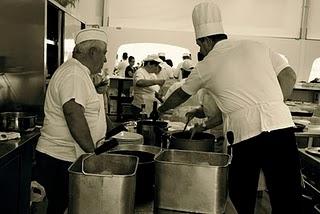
x,y
152,131
146,169
17,121
200,141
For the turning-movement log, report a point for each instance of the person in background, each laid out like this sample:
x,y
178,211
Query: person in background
x,y
169,62
249,82
146,83
177,72
162,56
130,69
120,69
178,113
74,117
186,69
166,70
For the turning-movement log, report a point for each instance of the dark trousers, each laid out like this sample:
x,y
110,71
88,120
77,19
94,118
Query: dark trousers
x,y
53,174
277,155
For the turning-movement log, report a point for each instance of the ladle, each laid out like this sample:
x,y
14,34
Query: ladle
x,y
185,126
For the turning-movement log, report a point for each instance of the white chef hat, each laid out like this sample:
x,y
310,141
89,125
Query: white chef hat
x,y
153,57
185,54
161,54
188,65
206,19
91,34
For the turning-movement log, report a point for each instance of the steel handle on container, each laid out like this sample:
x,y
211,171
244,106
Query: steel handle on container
x,y
106,146
230,138
82,164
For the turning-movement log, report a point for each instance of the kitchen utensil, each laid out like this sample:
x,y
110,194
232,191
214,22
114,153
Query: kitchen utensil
x,y
17,121
107,145
185,126
192,134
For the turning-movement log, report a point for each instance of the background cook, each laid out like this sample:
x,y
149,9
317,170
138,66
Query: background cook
x,y
146,83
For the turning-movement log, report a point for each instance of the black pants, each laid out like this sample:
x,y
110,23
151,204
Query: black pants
x,y
53,174
277,155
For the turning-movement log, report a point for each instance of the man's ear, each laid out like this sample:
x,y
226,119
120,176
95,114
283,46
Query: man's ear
x,y
92,51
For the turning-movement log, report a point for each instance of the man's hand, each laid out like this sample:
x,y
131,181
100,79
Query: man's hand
x,y
160,82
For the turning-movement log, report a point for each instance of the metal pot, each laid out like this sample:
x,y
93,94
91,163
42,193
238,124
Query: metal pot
x,y
152,131
145,172
17,121
200,141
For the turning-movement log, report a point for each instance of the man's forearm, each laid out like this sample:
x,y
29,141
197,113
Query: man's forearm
x,y
78,125
146,83
175,99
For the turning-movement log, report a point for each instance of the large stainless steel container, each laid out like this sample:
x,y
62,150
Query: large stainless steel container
x,y
191,181
102,183
145,173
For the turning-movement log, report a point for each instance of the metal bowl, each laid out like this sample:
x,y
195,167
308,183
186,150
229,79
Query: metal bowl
x,y
17,121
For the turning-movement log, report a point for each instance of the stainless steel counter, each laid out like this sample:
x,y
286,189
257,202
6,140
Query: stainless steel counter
x,y
9,146
16,157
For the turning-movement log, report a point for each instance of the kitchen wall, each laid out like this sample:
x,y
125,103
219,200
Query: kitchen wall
x,y
289,27
291,48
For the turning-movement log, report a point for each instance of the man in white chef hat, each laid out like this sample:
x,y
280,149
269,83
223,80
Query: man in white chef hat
x,y
74,116
249,83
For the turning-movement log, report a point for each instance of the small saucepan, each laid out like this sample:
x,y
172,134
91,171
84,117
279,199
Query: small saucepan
x,y
17,121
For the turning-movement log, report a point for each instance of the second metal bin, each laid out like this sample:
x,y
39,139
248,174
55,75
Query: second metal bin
x,y
191,181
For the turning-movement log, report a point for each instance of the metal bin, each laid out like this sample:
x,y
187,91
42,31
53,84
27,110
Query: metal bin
x,y
191,181
102,183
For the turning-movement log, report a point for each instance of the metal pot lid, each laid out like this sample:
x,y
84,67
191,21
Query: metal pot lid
x,y
127,136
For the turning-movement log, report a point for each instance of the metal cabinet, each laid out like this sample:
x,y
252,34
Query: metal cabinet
x,y
31,47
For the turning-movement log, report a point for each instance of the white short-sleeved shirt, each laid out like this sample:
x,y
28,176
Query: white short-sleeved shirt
x,y
144,95
70,81
122,67
177,72
242,77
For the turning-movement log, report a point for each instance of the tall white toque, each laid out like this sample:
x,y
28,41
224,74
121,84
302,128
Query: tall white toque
x,y
206,19
91,34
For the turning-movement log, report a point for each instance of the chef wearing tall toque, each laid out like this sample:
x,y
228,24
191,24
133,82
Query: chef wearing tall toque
x,y
74,116
249,82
